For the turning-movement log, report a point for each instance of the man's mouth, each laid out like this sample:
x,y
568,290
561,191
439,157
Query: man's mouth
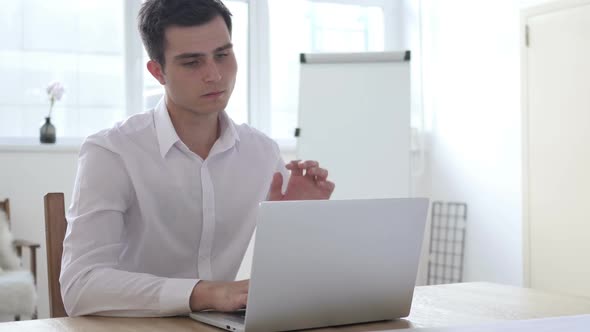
x,y
214,94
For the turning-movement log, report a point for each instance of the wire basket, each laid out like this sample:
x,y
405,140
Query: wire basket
x,y
447,242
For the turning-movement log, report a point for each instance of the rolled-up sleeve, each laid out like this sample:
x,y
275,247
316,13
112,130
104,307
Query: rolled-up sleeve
x,y
92,282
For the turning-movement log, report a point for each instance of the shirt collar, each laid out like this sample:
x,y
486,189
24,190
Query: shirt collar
x,y
229,134
167,136
165,131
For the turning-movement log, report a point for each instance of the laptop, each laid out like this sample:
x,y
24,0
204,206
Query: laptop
x,y
330,262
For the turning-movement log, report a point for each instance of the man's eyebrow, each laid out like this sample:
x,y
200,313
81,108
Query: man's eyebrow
x,y
224,47
198,55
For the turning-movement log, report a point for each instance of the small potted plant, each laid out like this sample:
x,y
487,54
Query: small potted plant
x,y
55,91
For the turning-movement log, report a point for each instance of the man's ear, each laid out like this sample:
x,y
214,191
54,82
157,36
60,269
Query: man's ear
x,y
157,71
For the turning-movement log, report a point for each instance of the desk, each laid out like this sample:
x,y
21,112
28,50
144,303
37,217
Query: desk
x,y
433,306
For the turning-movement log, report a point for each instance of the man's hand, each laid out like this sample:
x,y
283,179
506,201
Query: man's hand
x,y
307,182
220,296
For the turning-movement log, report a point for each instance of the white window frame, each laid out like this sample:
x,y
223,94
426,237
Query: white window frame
x,y
259,112
133,59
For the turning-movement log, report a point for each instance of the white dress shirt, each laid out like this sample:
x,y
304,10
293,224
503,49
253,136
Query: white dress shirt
x,y
149,218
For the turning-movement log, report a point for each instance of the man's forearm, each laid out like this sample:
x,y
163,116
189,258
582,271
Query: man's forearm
x,y
110,292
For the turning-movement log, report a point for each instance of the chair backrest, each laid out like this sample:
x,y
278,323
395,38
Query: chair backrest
x,y
55,231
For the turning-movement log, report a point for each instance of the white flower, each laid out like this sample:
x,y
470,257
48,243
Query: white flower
x,y
55,90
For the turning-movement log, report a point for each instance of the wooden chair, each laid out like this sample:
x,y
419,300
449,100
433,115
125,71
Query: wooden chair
x,y
19,244
55,231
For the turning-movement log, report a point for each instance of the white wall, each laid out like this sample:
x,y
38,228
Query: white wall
x,y
26,175
471,69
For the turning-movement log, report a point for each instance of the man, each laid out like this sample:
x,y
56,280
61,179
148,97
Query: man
x,y
165,202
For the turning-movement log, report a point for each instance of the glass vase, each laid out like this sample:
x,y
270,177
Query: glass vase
x,y
47,132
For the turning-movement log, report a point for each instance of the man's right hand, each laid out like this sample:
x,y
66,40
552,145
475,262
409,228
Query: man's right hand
x,y
219,295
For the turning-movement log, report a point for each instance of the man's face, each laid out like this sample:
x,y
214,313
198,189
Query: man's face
x,y
200,70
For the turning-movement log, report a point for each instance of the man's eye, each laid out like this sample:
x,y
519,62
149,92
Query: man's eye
x,y
190,64
221,55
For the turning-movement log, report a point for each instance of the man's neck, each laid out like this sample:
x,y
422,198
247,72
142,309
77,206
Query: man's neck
x,y
197,131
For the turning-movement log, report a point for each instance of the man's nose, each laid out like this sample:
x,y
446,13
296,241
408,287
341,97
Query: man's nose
x,y
211,72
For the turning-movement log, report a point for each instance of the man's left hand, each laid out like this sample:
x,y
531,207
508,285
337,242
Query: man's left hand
x,y
307,182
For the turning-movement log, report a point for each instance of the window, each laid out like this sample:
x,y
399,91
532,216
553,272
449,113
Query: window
x,y
88,46
308,26
79,43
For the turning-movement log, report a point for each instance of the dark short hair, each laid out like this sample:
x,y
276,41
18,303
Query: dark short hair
x,y
157,15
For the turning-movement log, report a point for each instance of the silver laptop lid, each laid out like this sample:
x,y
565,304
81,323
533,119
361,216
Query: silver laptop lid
x,y
324,263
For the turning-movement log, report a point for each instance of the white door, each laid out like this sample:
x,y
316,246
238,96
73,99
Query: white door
x,y
556,96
